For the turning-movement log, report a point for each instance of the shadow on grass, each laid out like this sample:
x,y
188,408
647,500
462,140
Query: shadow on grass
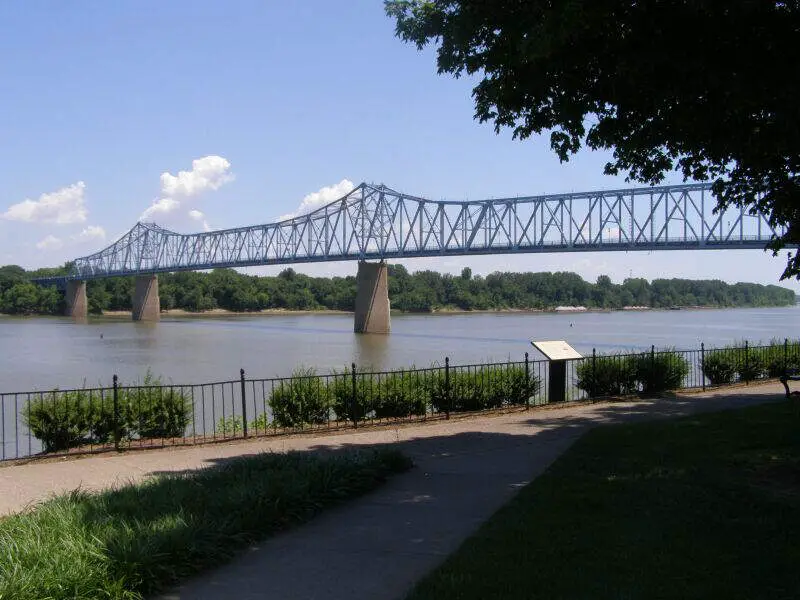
x,y
136,540
396,535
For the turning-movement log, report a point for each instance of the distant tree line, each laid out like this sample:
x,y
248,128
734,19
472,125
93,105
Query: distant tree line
x,y
423,291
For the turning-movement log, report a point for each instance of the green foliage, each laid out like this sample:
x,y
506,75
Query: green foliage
x,y
719,366
155,410
399,395
481,388
340,391
63,420
557,67
607,376
748,363
301,400
230,426
423,291
660,371
648,510
135,540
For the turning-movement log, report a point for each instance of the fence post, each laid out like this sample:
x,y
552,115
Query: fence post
x,y
447,387
244,404
593,388
116,412
785,356
747,361
703,364
353,401
527,383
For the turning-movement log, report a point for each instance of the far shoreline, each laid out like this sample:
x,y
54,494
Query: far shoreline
x,y
566,310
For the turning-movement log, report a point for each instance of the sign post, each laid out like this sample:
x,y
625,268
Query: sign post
x,y
557,353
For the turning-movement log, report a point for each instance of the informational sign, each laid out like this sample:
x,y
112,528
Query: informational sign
x,y
557,350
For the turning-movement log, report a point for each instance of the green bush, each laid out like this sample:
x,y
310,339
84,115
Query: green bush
x,y
607,376
481,388
60,420
660,371
233,425
230,426
340,392
778,359
154,411
301,400
401,395
750,365
63,420
720,366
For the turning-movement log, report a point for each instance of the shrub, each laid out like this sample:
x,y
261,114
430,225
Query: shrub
x,y
230,426
60,420
401,395
481,388
660,371
720,366
155,411
301,400
750,365
607,376
340,390
778,359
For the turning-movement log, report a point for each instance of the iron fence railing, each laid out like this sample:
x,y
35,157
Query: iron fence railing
x,y
156,414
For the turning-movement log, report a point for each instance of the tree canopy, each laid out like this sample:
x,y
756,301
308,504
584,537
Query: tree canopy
x,y
423,291
707,88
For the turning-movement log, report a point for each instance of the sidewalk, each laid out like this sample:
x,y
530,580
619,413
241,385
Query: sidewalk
x,y
380,545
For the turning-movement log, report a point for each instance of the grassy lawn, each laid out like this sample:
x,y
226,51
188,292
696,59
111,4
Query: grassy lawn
x,y
702,507
135,540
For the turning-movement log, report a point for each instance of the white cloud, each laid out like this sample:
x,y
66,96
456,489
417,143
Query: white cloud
x,y
321,197
92,232
196,215
207,173
63,207
49,243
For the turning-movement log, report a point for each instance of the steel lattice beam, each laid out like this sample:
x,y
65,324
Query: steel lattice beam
x,y
376,222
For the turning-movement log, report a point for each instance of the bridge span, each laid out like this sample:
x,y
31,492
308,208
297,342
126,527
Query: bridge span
x,y
375,222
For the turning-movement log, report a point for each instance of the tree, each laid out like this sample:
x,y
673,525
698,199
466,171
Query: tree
x,y
708,88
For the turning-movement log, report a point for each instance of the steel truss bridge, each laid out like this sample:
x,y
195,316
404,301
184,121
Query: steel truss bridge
x,y
377,222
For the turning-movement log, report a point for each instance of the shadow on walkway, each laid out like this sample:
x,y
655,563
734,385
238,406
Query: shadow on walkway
x,y
379,546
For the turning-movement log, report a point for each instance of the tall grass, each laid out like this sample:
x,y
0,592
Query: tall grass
x,y
135,540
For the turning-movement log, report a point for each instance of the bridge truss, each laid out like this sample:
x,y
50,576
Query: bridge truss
x,y
376,222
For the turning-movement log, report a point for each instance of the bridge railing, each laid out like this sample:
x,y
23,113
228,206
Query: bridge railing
x,y
58,422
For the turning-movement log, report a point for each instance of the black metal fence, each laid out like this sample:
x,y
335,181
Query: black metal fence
x,y
157,414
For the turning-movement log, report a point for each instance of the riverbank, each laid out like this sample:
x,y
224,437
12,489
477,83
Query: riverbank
x,y
221,312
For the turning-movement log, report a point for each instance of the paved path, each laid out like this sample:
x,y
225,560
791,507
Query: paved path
x,y
376,547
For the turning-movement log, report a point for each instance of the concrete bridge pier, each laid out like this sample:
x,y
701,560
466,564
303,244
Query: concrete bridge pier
x,y
76,304
372,298
146,304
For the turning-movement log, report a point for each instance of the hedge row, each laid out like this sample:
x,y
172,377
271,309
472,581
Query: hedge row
x,y
625,374
63,420
746,363
307,399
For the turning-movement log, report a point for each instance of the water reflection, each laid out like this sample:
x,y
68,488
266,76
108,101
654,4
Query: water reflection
x,y
43,353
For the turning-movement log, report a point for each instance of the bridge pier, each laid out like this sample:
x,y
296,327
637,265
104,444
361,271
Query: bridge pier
x,y
76,304
372,299
146,304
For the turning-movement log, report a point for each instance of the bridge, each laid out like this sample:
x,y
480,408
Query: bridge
x,y
375,222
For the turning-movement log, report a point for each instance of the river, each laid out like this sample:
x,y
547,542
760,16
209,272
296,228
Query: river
x,y
42,353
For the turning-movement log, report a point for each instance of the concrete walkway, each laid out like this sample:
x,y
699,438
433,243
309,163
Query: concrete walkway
x,y
379,546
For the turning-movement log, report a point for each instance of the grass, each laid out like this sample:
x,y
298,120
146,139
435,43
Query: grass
x,y
701,507
133,541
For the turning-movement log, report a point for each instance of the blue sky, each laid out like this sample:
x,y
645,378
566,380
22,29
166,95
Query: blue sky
x,y
104,104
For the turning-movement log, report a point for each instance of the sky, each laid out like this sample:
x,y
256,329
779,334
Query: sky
x,y
205,115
